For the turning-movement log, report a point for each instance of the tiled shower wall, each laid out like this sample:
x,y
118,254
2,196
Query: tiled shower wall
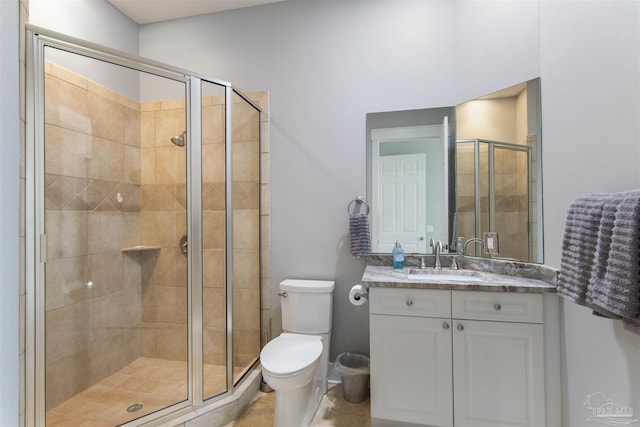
x,y
114,180
163,223
511,203
92,191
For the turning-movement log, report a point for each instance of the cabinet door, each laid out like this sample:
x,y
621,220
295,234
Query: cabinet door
x,y
498,372
411,370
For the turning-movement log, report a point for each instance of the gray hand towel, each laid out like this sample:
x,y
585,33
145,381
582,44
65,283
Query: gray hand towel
x,y
359,231
579,246
614,287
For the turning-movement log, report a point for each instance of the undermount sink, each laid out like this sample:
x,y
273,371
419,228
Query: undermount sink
x,y
432,275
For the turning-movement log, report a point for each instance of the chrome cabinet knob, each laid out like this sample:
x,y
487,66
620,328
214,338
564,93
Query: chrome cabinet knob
x,y
497,307
409,302
460,327
445,326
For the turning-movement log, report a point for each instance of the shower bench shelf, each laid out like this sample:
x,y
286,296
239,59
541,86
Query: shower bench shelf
x,y
140,248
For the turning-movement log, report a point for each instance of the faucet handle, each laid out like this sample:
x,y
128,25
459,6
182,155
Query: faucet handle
x,y
423,264
454,263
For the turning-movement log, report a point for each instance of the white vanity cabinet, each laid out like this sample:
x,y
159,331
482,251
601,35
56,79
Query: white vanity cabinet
x,y
456,358
498,359
411,356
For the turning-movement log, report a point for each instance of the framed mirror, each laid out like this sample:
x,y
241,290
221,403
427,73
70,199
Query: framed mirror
x,y
444,173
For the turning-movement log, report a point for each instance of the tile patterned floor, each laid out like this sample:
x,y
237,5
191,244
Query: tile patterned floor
x,y
160,383
156,383
334,411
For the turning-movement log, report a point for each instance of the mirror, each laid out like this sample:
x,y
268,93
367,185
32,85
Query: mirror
x,y
461,171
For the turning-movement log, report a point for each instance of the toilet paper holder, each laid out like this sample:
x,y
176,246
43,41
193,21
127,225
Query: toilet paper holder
x,y
359,295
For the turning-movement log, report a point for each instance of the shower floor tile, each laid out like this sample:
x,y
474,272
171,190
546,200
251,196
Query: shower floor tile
x,y
155,383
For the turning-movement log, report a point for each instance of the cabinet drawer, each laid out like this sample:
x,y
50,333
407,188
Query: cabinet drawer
x,y
512,307
410,302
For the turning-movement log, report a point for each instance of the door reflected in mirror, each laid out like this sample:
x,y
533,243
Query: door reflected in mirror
x,y
479,171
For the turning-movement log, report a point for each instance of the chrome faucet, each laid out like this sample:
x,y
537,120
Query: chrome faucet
x,y
437,247
474,240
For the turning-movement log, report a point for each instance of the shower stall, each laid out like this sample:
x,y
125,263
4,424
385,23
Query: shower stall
x,y
144,230
495,191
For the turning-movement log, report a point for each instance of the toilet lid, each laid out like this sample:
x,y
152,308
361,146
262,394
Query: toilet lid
x,y
290,353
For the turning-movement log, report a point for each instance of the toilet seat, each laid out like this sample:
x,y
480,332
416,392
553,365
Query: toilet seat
x,y
288,354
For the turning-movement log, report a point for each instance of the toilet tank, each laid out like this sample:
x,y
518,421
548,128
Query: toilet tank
x,y
307,306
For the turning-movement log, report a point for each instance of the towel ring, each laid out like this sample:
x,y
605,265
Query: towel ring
x,y
358,201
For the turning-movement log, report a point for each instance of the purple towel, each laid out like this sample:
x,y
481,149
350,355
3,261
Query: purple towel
x,y
600,265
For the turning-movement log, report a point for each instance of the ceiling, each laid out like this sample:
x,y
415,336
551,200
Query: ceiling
x,y
149,11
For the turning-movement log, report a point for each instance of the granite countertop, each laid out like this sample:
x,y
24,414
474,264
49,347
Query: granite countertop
x,y
532,277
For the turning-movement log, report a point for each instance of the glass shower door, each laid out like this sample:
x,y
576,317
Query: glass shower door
x,y
115,279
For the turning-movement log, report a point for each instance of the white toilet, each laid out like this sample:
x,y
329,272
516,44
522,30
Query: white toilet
x,y
295,363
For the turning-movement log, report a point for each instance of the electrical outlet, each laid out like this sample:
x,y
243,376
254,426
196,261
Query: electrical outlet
x,y
491,242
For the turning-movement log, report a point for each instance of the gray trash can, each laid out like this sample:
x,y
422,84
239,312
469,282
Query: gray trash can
x,y
354,370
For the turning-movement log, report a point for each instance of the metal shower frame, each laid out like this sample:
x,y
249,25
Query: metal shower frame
x,y
37,40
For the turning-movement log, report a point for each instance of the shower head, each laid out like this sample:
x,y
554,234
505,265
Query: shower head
x,y
179,140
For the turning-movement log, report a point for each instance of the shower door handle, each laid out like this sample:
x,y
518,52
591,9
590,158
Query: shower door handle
x,y
184,245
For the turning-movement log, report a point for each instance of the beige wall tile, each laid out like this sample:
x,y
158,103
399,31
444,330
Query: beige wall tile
x,y
246,229
106,272
147,129
246,269
106,160
132,128
148,166
246,156
66,281
213,124
66,75
246,122
213,268
213,161
65,192
166,165
213,230
67,233
246,195
172,104
246,304
214,308
112,314
66,377
213,196
102,91
171,342
65,152
214,346
106,117
169,123
67,330
105,231
66,105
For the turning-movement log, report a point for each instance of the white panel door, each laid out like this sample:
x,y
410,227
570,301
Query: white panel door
x,y
498,374
402,202
411,370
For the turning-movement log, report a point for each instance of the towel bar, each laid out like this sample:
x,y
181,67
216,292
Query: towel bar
x,y
358,201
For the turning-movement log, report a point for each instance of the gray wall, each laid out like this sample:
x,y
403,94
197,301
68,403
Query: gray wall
x,y
9,221
95,21
590,53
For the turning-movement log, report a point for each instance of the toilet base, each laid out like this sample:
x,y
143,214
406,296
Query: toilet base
x,y
294,408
